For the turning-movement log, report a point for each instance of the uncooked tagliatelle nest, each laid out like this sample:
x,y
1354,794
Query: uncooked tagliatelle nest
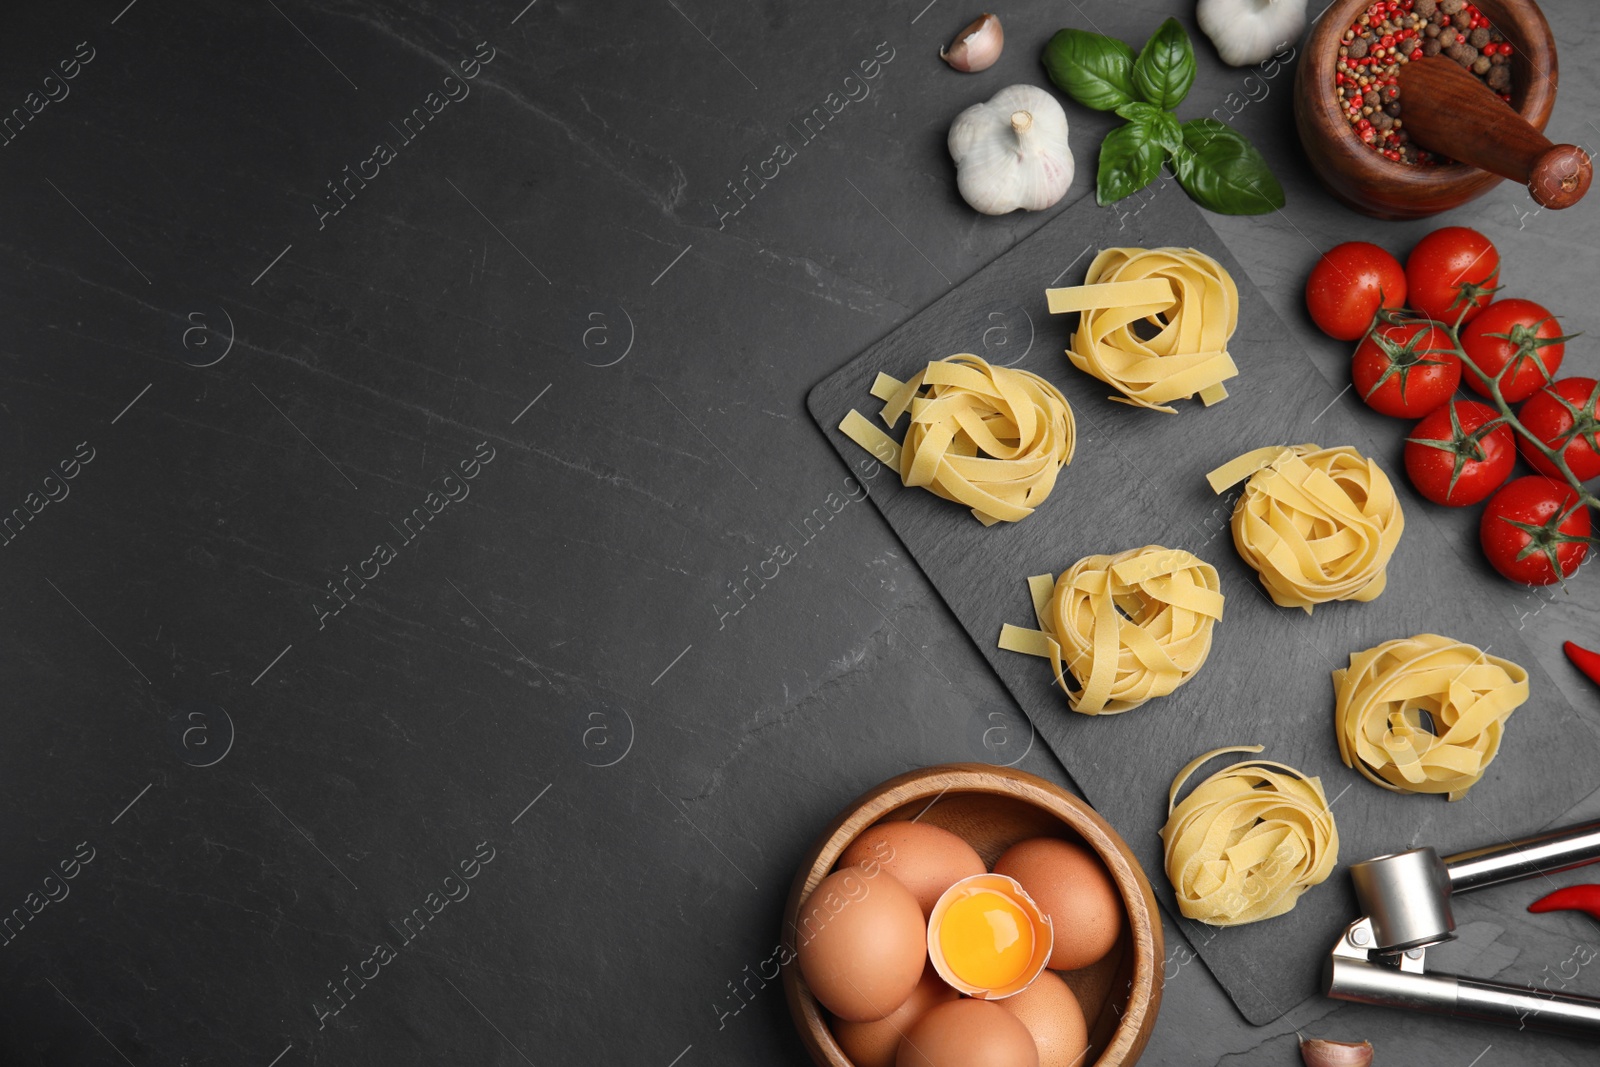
x,y
988,437
1248,841
1129,627
1187,300
1425,714
1318,524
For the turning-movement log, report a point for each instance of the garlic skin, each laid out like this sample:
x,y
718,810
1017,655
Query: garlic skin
x,y
976,47
1319,1053
1011,151
1249,31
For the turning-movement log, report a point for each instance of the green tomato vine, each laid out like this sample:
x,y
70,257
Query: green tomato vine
x,y
1507,416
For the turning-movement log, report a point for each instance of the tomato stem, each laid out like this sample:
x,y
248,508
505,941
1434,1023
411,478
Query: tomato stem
x,y
1555,456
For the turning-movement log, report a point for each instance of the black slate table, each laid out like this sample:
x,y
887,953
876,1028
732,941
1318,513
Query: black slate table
x,y
396,401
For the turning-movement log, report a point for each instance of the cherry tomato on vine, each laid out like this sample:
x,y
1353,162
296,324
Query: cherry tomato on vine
x,y
1534,530
1460,454
1565,415
1517,340
1407,370
1452,274
1348,284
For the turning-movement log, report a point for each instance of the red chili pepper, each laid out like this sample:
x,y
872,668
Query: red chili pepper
x,y
1585,898
1586,661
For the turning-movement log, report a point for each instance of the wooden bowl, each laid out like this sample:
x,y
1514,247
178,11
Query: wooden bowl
x,y
993,808
1364,180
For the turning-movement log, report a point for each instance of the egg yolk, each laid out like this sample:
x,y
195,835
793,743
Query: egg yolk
x,y
987,939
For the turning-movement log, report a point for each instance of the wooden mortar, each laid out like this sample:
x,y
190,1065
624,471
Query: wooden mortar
x,y
1491,140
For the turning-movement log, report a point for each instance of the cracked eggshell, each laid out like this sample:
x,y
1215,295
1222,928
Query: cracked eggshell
x,y
1011,151
1040,933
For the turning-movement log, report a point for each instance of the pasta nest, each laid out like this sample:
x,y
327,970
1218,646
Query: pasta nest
x,y
1129,627
988,437
1187,300
1248,841
1318,524
1425,714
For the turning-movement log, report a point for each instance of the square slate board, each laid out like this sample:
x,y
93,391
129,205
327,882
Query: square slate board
x,y
1139,478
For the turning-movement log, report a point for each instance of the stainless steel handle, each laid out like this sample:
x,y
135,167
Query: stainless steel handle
x,y
1557,850
1567,1013
1531,1009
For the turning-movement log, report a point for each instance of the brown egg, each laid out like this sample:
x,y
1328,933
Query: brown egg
x,y
862,943
968,1033
1071,884
926,859
1050,1011
874,1044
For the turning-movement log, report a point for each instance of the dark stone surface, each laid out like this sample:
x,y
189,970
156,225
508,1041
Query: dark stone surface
x,y
562,636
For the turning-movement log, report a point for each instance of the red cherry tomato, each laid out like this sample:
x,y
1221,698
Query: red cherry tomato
x,y
1460,454
1519,335
1452,273
1565,416
1406,371
1348,284
1534,532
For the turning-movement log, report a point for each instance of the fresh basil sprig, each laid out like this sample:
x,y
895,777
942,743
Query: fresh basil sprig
x,y
1214,163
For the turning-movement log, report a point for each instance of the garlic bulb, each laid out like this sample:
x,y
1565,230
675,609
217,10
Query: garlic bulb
x,y
1248,31
977,46
1011,151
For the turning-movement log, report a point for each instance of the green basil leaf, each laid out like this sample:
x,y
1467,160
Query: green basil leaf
x,y
1165,68
1164,130
1095,70
1129,161
1158,126
1222,171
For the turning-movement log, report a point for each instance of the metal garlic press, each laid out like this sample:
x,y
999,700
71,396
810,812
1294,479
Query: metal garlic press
x,y
1405,901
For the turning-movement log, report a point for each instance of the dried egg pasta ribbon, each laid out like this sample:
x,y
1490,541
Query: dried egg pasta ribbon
x,y
1247,841
1185,295
1129,627
1424,714
1318,524
987,437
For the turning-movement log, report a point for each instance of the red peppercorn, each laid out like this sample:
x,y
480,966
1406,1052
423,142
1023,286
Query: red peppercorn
x,y
1416,53
1461,38
1387,40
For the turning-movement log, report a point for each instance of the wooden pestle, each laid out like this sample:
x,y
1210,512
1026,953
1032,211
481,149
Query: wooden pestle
x,y
1447,110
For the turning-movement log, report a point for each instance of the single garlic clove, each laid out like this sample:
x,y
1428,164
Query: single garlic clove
x,y
976,47
1319,1053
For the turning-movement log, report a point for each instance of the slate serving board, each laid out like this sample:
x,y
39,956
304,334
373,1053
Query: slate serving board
x,y
1139,478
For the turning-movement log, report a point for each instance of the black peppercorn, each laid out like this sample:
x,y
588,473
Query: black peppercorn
x,y
1425,8
1478,37
1431,47
1358,48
